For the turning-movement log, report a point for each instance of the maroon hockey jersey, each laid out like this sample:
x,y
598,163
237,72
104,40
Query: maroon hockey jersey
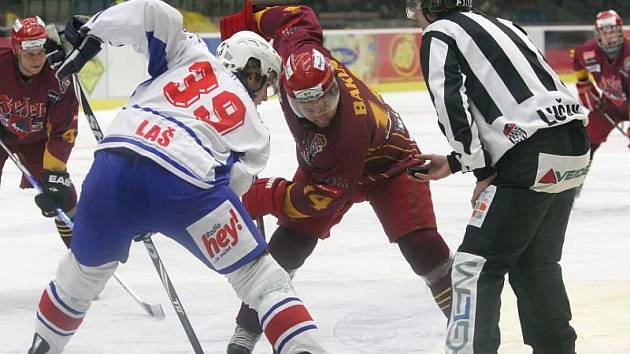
x,y
613,79
366,142
37,111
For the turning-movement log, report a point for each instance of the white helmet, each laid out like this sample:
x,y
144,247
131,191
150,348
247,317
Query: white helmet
x,y
236,51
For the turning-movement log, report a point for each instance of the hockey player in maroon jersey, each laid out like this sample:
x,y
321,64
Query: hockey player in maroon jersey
x,y
605,58
38,118
351,147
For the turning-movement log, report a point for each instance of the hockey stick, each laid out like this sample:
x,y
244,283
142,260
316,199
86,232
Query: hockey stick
x,y
146,238
260,224
615,124
153,310
34,182
172,295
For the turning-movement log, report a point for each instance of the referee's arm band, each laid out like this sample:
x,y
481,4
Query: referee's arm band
x,y
453,162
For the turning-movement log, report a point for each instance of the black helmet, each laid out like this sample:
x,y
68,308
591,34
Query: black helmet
x,y
433,9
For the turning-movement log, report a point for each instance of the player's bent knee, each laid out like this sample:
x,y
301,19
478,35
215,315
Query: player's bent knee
x,y
265,286
259,279
290,248
427,253
81,283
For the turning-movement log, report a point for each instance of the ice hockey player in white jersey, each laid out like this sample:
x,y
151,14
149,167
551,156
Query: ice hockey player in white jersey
x,y
174,161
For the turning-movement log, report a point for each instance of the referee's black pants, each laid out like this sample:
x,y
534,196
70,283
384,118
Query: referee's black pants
x,y
518,231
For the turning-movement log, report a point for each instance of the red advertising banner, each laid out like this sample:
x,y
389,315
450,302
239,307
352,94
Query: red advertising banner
x,y
399,58
378,57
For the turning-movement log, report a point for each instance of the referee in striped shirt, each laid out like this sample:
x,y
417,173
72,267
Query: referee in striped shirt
x,y
512,122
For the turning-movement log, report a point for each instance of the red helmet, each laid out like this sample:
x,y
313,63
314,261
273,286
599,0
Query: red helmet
x,y
28,33
311,87
609,32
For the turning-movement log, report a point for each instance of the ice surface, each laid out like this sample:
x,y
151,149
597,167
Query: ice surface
x,y
358,287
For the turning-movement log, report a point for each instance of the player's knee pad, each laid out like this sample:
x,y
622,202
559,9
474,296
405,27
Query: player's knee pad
x,y
79,284
266,287
259,279
290,248
427,253
431,259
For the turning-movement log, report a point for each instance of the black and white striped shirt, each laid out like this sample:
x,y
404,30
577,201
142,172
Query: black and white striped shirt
x,y
490,86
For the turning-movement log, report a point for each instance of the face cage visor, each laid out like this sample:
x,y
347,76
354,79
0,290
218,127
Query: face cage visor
x,y
314,109
610,39
272,89
412,7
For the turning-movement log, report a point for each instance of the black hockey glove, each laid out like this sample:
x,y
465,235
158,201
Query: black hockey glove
x,y
84,47
56,187
54,47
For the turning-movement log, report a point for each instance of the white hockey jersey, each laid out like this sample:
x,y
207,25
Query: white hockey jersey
x,y
193,117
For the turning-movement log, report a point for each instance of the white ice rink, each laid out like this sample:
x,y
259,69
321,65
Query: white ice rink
x,y
357,285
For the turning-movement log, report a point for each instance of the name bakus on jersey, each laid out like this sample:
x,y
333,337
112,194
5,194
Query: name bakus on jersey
x,y
223,237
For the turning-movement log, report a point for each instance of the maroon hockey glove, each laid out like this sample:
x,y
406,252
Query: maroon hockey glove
x,y
56,188
237,22
589,96
266,197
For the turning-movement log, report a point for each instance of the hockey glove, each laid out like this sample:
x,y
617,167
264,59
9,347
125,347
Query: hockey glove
x,y
266,196
54,47
85,47
589,96
237,22
56,187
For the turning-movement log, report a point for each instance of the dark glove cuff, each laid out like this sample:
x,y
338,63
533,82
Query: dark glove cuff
x,y
453,163
59,179
484,172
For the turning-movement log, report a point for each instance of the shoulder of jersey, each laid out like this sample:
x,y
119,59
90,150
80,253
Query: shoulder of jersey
x,y
5,53
591,44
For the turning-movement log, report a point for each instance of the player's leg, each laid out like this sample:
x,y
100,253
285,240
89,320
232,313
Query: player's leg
x,y
598,129
405,210
543,304
31,157
290,245
3,159
290,249
503,223
103,232
215,227
69,207
65,302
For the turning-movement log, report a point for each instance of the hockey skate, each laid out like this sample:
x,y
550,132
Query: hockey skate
x,y
242,341
39,345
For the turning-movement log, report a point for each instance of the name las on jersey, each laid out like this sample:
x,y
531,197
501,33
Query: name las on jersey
x,y
207,130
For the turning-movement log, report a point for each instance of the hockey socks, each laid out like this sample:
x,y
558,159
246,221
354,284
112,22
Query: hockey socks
x,y
56,322
284,318
64,231
284,321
